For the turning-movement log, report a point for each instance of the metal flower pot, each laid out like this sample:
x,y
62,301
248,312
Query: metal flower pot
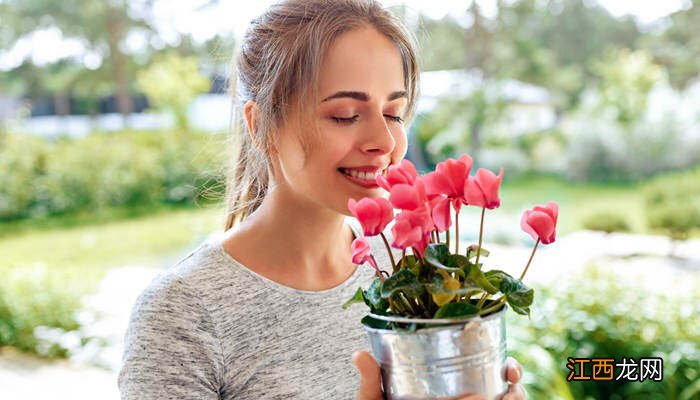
x,y
445,362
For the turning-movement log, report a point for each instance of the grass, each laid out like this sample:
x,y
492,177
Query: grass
x,y
85,252
576,201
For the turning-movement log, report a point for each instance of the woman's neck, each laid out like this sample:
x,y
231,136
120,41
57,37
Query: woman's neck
x,y
297,244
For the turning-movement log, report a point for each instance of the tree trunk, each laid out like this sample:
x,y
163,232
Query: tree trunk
x,y
61,103
119,68
476,144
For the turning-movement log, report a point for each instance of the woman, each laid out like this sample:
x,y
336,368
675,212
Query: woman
x,y
325,88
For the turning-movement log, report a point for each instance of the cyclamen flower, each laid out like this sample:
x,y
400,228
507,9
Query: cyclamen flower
x,y
440,211
373,213
404,173
481,190
449,179
361,253
541,222
408,197
412,229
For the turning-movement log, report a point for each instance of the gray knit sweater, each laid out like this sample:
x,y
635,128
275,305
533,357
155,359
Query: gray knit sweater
x,y
210,328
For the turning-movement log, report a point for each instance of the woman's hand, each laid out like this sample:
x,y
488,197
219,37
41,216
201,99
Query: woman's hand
x,y
371,379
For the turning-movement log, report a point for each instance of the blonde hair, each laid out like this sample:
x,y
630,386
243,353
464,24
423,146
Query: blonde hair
x,y
277,66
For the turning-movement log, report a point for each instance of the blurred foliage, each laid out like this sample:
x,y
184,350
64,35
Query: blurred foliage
x,y
31,298
171,82
673,203
100,26
677,46
125,169
460,123
41,291
606,221
626,78
604,314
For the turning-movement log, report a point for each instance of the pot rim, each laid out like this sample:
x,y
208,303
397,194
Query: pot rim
x,y
447,322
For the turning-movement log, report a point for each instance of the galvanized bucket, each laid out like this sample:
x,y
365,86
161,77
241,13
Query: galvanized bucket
x,y
446,362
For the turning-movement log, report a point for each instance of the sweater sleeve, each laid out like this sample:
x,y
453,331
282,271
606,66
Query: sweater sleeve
x,y
171,348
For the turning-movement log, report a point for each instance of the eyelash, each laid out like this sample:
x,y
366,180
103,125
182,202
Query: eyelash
x,y
354,119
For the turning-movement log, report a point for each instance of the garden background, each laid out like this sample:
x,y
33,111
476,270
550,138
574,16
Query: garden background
x,y
113,141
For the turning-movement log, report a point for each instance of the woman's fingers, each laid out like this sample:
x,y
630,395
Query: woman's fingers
x,y
473,397
514,371
515,392
370,376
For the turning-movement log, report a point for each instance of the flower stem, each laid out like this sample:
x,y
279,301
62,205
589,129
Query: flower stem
x,y
374,265
497,303
530,260
481,235
447,238
482,300
408,303
456,231
388,249
403,255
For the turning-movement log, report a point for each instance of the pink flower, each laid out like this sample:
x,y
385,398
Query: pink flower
x,y
440,211
373,214
481,190
412,229
541,222
404,173
360,251
408,197
449,179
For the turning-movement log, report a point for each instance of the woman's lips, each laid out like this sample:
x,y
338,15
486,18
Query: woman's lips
x,y
366,183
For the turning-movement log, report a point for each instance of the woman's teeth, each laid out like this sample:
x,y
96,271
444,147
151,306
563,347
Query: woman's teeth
x,y
362,175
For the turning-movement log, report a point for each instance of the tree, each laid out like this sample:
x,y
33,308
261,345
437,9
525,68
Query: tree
x,y
555,43
102,25
171,82
678,46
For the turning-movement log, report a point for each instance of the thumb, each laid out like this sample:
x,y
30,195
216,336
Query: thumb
x,y
370,376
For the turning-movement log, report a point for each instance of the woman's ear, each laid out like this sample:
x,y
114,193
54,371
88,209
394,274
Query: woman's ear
x,y
251,113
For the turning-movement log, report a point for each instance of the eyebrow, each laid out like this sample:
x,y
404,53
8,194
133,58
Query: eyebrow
x,y
362,96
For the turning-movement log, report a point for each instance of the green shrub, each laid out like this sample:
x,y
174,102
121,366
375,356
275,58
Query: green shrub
x,y
22,161
673,203
603,315
607,222
31,298
124,169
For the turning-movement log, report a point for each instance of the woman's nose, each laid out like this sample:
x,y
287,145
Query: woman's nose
x,y
378,136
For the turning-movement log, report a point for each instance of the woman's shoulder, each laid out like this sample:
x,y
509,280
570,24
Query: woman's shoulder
x,y
201,271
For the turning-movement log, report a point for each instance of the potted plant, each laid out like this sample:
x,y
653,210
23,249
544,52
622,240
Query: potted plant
x,y
436,323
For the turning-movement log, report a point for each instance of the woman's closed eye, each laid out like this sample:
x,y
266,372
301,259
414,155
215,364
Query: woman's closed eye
x,y
354,118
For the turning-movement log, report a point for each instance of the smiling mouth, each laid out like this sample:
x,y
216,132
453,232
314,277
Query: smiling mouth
x,y
364,179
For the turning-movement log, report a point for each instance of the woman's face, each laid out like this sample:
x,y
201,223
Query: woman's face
x,y
359,115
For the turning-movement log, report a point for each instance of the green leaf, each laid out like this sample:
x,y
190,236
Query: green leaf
x,y
357,298
456,310
521,298
437,255
437,286
404,280
374,296
438,252
521,310
471,251
475,275
457,261
496,277
375,323
411,263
